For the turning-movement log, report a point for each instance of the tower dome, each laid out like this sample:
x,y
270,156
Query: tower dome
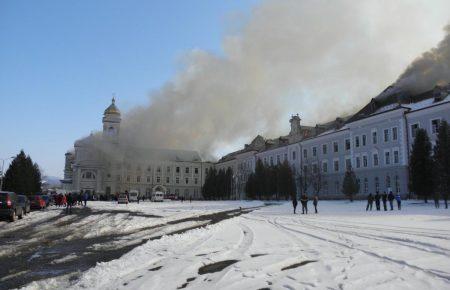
x,y
112,109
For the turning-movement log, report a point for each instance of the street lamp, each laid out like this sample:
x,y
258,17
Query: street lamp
x,y
3,171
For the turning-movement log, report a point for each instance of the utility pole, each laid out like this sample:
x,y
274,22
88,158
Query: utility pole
x,y
3,171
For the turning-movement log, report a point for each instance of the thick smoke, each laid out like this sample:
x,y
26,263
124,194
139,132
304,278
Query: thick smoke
x,y
429,70
318,58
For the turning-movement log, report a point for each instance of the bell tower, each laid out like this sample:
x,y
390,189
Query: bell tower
x,y
111,122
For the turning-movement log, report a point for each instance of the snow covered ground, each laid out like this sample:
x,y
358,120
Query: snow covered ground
x,y
343,247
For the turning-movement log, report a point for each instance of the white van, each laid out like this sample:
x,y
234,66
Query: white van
x,y
158,196
134,196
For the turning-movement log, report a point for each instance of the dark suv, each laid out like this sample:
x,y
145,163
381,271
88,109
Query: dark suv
x,y
9,206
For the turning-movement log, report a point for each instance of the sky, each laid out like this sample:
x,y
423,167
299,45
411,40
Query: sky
x,y
61,61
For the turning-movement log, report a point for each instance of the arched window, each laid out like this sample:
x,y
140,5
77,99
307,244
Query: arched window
x,y
111,131
88,175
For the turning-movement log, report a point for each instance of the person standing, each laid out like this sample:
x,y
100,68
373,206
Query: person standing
x,y
315,203
304,202
369,202
377,200
384,199
85,198
294,203
391,198
69,203
399,201
436,199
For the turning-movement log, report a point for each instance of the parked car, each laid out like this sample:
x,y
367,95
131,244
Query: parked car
x,y
158,196
122,198
9,206
37,202
133,196
24,203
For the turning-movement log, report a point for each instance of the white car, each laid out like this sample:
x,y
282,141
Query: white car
x,y
122,198
133,196
158,196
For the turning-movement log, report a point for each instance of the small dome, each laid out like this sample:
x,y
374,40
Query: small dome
x,y
112,109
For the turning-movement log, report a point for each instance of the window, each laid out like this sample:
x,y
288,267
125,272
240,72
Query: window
x,y
356,141
177,170
394,134
388,181
396,159
265,160
365,162
386,135
158,169
324,149
347,144
186,170
271,161
315,168
348,164
158,179
387,158
167,179
305,169
128,178
305,153
278,159
195,180
118,177
335,146
377,184
196,170
364,140
374,137
325,167
293,155
314,151
336,165
186,180
108,175
285,156
358,182
138,179
366,185
168,169
337,188
414,128
177,180
148,179
88,175
325,187
358,162
375,159
177,191
435,126
149,168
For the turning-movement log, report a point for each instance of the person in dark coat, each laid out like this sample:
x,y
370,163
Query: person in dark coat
x,y
436,199
294,203
391,198
369,202
85,198
69,203
399,201
315,203
377,200
304,202
384,199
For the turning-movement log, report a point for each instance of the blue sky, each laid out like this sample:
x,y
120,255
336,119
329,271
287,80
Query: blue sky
x,y
60,62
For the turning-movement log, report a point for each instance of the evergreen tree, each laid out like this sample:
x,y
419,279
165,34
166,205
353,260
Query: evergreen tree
x,y
350,185
260,179
421,166
22,176
250,186
441,159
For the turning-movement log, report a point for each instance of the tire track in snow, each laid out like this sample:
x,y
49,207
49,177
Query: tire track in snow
x,y
444,276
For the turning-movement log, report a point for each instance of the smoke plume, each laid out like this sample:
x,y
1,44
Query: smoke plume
x,y
317,58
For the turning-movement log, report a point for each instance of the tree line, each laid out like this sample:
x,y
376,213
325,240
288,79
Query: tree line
x,y
271,182
218,184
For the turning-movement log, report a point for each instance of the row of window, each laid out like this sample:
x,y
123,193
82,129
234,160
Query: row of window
x,y
435,123
359,141
187,170
158,179
364,187
361,161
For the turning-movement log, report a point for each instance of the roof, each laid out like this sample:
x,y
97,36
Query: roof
x,y
112,109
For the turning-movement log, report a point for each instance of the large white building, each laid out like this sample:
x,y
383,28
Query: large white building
x,y
101,164
375,142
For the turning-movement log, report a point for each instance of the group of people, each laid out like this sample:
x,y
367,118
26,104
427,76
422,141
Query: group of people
x,y
304,201
384,198
71,199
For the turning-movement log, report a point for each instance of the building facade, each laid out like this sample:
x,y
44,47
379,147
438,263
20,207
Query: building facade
x,y
101,164
375,142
